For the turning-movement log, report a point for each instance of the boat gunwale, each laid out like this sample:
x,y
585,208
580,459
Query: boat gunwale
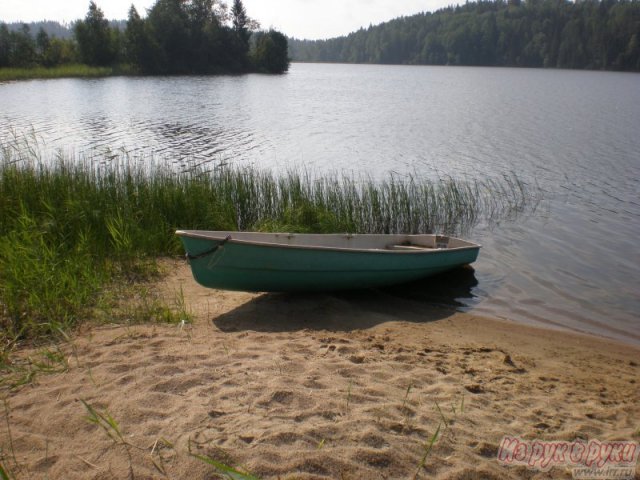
x,y
426,250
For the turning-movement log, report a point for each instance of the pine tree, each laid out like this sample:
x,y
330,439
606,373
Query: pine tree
x,y
241,24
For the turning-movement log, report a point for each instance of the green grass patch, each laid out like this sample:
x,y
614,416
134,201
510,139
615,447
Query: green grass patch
x,y
63,71
44,284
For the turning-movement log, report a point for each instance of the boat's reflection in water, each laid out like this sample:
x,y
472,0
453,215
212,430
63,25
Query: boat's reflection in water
x,y
452,289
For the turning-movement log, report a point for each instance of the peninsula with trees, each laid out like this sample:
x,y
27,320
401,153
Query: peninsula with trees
x,y
176,37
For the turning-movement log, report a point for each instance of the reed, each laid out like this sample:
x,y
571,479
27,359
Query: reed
x,y
69,226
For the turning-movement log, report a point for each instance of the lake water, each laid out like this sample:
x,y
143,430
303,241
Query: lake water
x,y
572,263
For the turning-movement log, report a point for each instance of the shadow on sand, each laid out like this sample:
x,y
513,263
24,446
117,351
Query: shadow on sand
x,y
423,301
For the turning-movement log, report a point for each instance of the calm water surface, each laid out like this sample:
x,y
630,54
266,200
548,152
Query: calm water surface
x,y
573,263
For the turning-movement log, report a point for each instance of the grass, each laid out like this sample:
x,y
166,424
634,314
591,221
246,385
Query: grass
x,y
428,446
160,443
108,424
111,428
17,372
61,71
71,227
4,474
442,417
222,468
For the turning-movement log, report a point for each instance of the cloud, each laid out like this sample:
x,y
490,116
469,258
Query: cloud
x,y
64,10
330,18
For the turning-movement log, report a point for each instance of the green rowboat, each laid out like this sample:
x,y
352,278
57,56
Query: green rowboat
x,y
287,262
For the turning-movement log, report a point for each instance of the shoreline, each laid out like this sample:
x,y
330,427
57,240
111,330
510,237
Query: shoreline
x,y
346,385
536,324
83,71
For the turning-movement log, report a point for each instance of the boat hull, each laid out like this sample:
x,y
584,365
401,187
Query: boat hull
x,y
235,265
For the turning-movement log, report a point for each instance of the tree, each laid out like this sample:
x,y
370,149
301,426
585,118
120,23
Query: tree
x,y
205,30
49,51
60,51
201,13
22,49
5,45
95,39
134,34
632,53
241,24
271,53
42,43
168,29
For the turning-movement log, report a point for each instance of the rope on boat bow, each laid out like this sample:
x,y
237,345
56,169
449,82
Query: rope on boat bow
x,y
208,252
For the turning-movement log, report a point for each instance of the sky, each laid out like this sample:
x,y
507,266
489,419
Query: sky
x,y
310,19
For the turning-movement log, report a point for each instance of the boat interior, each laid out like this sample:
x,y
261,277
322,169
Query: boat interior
x,y
407,243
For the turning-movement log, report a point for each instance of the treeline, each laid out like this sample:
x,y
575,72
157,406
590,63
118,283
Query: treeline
x,y
587,34
56,29
176,37
20,49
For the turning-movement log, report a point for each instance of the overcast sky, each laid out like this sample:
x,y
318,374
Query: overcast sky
x,y
297,18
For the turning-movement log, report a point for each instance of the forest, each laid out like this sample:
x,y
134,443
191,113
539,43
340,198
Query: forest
x,y
587,34
175,37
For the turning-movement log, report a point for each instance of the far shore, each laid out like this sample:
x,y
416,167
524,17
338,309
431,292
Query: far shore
x,y
351,385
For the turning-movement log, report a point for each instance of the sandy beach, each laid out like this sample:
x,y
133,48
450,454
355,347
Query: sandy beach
x,y
341,386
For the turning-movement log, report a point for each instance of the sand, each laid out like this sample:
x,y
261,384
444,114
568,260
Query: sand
x,y
343,386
